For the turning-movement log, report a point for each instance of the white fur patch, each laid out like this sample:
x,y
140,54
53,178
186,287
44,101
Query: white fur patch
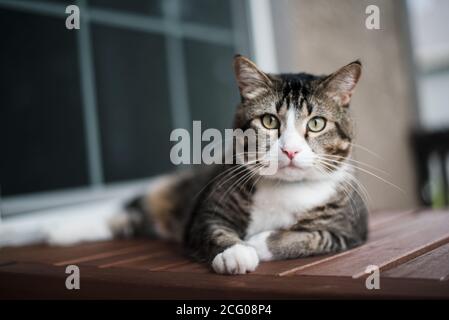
x,y
259,242
238,259
70,233
279,205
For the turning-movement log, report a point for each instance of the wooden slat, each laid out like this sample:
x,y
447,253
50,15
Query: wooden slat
x,y
277,267
380,219
397,243
390,224
26,280
163,261
54,254
432,265
103,254
171,262
192,267
125,256
128,262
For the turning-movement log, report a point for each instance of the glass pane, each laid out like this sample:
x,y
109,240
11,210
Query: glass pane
x,y
209,12
433,99
429,24
151,7
213,94
42,129
134,110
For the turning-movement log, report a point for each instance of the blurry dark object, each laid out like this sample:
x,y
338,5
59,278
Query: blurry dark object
x,y
431,151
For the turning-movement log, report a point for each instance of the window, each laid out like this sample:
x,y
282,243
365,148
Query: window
x,y
85,113
430,38
429,30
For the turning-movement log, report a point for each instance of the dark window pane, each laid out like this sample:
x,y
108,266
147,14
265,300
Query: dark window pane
x,y
67,2
150,7
212,12
133,103
42,129
213,94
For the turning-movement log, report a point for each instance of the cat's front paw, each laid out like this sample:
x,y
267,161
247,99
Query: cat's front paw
x,y
238,259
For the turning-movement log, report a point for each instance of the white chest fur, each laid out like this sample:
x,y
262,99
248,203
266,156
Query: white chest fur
x,y
279,205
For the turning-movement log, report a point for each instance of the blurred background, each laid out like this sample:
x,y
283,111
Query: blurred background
x,y
86,114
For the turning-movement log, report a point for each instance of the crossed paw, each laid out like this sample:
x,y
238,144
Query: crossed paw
x,y
238,259
242,258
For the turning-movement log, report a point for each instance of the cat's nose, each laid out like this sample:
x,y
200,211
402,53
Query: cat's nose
x,y
290,153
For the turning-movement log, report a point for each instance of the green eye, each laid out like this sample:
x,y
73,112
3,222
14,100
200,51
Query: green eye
x,y
270,122
316,124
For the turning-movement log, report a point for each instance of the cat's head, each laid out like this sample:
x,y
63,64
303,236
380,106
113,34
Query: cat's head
x,y
306,118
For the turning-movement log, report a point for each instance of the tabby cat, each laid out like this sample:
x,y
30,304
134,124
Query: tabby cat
x,y
233,216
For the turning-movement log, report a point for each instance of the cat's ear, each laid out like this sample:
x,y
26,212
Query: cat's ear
x,y
340,85
252,82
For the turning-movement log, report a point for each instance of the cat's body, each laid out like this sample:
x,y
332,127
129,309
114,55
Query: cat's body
x,y
193,206
234,216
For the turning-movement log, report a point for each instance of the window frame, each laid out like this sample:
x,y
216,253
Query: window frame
x,y
251,35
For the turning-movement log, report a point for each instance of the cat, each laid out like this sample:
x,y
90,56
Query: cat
x,y
232,216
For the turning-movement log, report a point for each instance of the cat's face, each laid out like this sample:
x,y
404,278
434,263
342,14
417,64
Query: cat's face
x,y
302,121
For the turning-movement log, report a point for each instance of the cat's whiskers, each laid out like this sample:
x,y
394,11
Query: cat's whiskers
x,y
366,150
222,175
354,179
239,167
332,165
255,182
345,190
252,171
367,172
348,176
343,159
364,195
234,170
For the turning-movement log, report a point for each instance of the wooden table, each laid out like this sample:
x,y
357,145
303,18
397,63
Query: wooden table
x,y
410,248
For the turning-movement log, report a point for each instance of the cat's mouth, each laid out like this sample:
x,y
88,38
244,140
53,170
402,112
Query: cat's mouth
x,y
291,165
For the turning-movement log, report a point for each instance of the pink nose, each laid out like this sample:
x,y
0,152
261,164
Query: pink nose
x,y
290,153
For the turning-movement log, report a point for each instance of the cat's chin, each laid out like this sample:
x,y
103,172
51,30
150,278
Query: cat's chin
x,y
290,173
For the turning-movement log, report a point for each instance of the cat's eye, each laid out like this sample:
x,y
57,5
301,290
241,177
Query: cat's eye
x,y
270,122
316,124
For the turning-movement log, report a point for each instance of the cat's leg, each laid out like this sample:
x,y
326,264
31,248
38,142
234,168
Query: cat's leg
x,y
334,227
288,244
226,252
